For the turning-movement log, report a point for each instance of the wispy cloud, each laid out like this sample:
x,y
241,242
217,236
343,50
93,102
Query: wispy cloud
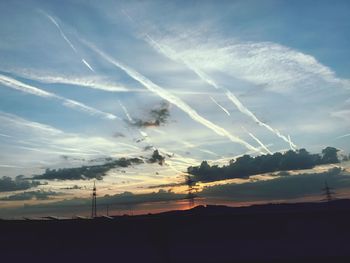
x,y
343,114
267,64
5,135
47,139
170,98
18,122
93,82
172,54
9,166
15,84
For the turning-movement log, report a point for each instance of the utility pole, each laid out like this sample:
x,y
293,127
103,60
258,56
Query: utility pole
x,y
93,205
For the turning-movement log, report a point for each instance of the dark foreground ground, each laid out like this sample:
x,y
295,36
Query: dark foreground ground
x,y
268,233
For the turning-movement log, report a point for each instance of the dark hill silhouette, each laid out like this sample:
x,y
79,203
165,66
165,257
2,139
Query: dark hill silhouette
x,y
303,232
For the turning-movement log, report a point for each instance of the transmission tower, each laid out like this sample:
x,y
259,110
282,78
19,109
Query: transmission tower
x,y
93,205
327,192
192,189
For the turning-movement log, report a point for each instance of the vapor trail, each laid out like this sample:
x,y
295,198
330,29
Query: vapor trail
x,y
125,111
15,84
208,152
290,143
130,119
5,135
87,64
257,140
343,136
60,30
168,52
170,98
89,82
226,111
244,110
66,39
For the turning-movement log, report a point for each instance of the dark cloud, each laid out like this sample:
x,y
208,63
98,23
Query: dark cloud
x,y
19,183
284,187
156,158
167,185
148,147
86,172
67,158
118,135
30,195
74,187
157,117
246,165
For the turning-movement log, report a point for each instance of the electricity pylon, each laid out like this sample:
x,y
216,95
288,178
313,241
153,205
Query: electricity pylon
x,y
93,205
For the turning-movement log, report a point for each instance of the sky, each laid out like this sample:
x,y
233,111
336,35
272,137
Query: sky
x,y
235,77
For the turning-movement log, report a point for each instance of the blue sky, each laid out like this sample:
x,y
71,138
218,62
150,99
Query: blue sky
x,y
238,76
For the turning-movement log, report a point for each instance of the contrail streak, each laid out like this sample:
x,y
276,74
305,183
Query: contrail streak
x,y
244,110
171,98
190,145
66,39
126,112
226,111
61,32
130,119
5,135
257,140
89,82
208,152
290,143
87,64
343,136
168,52
15,84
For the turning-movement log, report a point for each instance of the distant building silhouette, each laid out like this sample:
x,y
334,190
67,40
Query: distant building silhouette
x,y
93,205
